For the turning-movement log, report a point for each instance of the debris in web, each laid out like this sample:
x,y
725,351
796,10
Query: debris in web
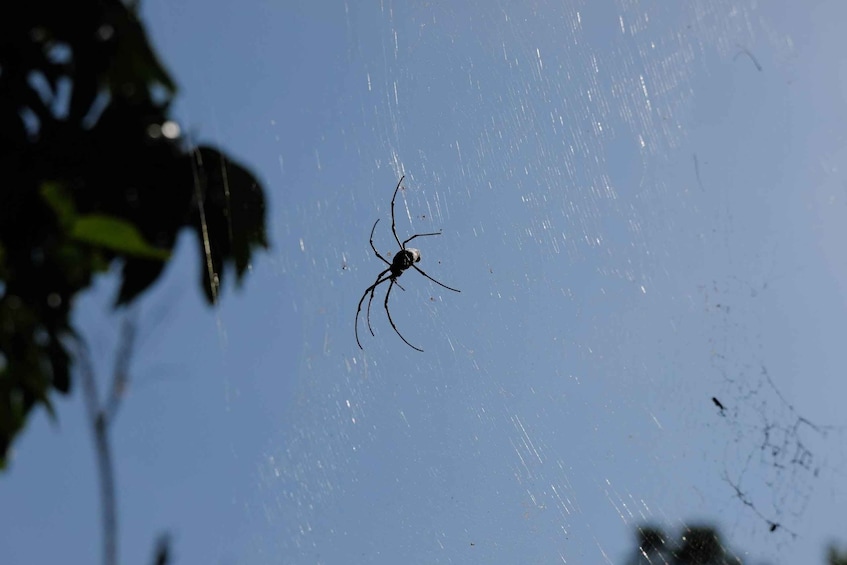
x,y
774,454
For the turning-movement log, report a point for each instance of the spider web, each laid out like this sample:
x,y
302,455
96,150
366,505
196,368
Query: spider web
x,y
777,456
591,221
643,212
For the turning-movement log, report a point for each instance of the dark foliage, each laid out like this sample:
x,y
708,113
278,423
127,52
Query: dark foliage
x,y
162,555
696,545
834,556
90,174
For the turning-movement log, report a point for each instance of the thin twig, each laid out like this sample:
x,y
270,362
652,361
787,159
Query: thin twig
x,y
100,417
120,378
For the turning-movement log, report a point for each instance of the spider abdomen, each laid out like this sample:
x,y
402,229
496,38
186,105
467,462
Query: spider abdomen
x,y
406,258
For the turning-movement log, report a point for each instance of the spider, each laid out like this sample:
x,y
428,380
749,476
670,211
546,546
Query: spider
x,y
405,258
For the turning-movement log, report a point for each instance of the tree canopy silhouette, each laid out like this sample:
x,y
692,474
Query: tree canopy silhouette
x,y
697,545
95,174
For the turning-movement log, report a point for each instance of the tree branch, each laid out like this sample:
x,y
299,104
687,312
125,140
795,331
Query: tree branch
x,y
100,417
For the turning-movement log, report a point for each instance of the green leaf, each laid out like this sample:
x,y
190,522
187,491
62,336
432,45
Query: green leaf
x,y
60,201
116,235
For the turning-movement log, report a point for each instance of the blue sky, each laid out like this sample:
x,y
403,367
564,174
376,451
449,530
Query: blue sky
x,y
643,207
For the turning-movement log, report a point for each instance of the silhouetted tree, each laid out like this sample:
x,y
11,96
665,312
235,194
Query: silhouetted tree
x,y
834,556
697,545
652,547
92,171
702,545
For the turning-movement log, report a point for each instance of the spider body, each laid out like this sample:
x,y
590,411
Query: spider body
x,y
402,261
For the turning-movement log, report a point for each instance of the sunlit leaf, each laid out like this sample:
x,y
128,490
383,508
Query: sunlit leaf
x,y
116,235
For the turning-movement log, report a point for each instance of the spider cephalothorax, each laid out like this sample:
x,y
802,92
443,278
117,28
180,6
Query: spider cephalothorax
x,y
403,260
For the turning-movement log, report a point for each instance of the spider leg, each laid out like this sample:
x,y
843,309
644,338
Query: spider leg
x,y
403,245
393,228
384,260
371,299
387,311
359,308
435,281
